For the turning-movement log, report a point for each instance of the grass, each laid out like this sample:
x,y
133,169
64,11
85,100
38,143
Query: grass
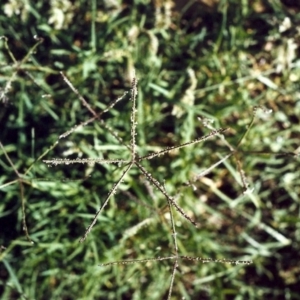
x,y
193,79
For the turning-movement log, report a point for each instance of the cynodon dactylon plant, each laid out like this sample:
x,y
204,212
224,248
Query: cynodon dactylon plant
x,y
139,164
135,161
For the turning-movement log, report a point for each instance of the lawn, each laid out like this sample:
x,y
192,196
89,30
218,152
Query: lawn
x,y
149,149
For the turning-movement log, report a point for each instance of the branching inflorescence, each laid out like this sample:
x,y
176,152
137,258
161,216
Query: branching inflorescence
x,y
136,162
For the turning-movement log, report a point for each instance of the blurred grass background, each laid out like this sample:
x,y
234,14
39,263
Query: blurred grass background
x,y
209,59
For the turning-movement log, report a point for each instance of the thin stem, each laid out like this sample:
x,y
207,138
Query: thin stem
x,y
84,102
66,161
134,261
161,189
242,173
133,118
167,150
208,170
173,278
174,234
183,257
8,183
112,192
249,126
25,228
